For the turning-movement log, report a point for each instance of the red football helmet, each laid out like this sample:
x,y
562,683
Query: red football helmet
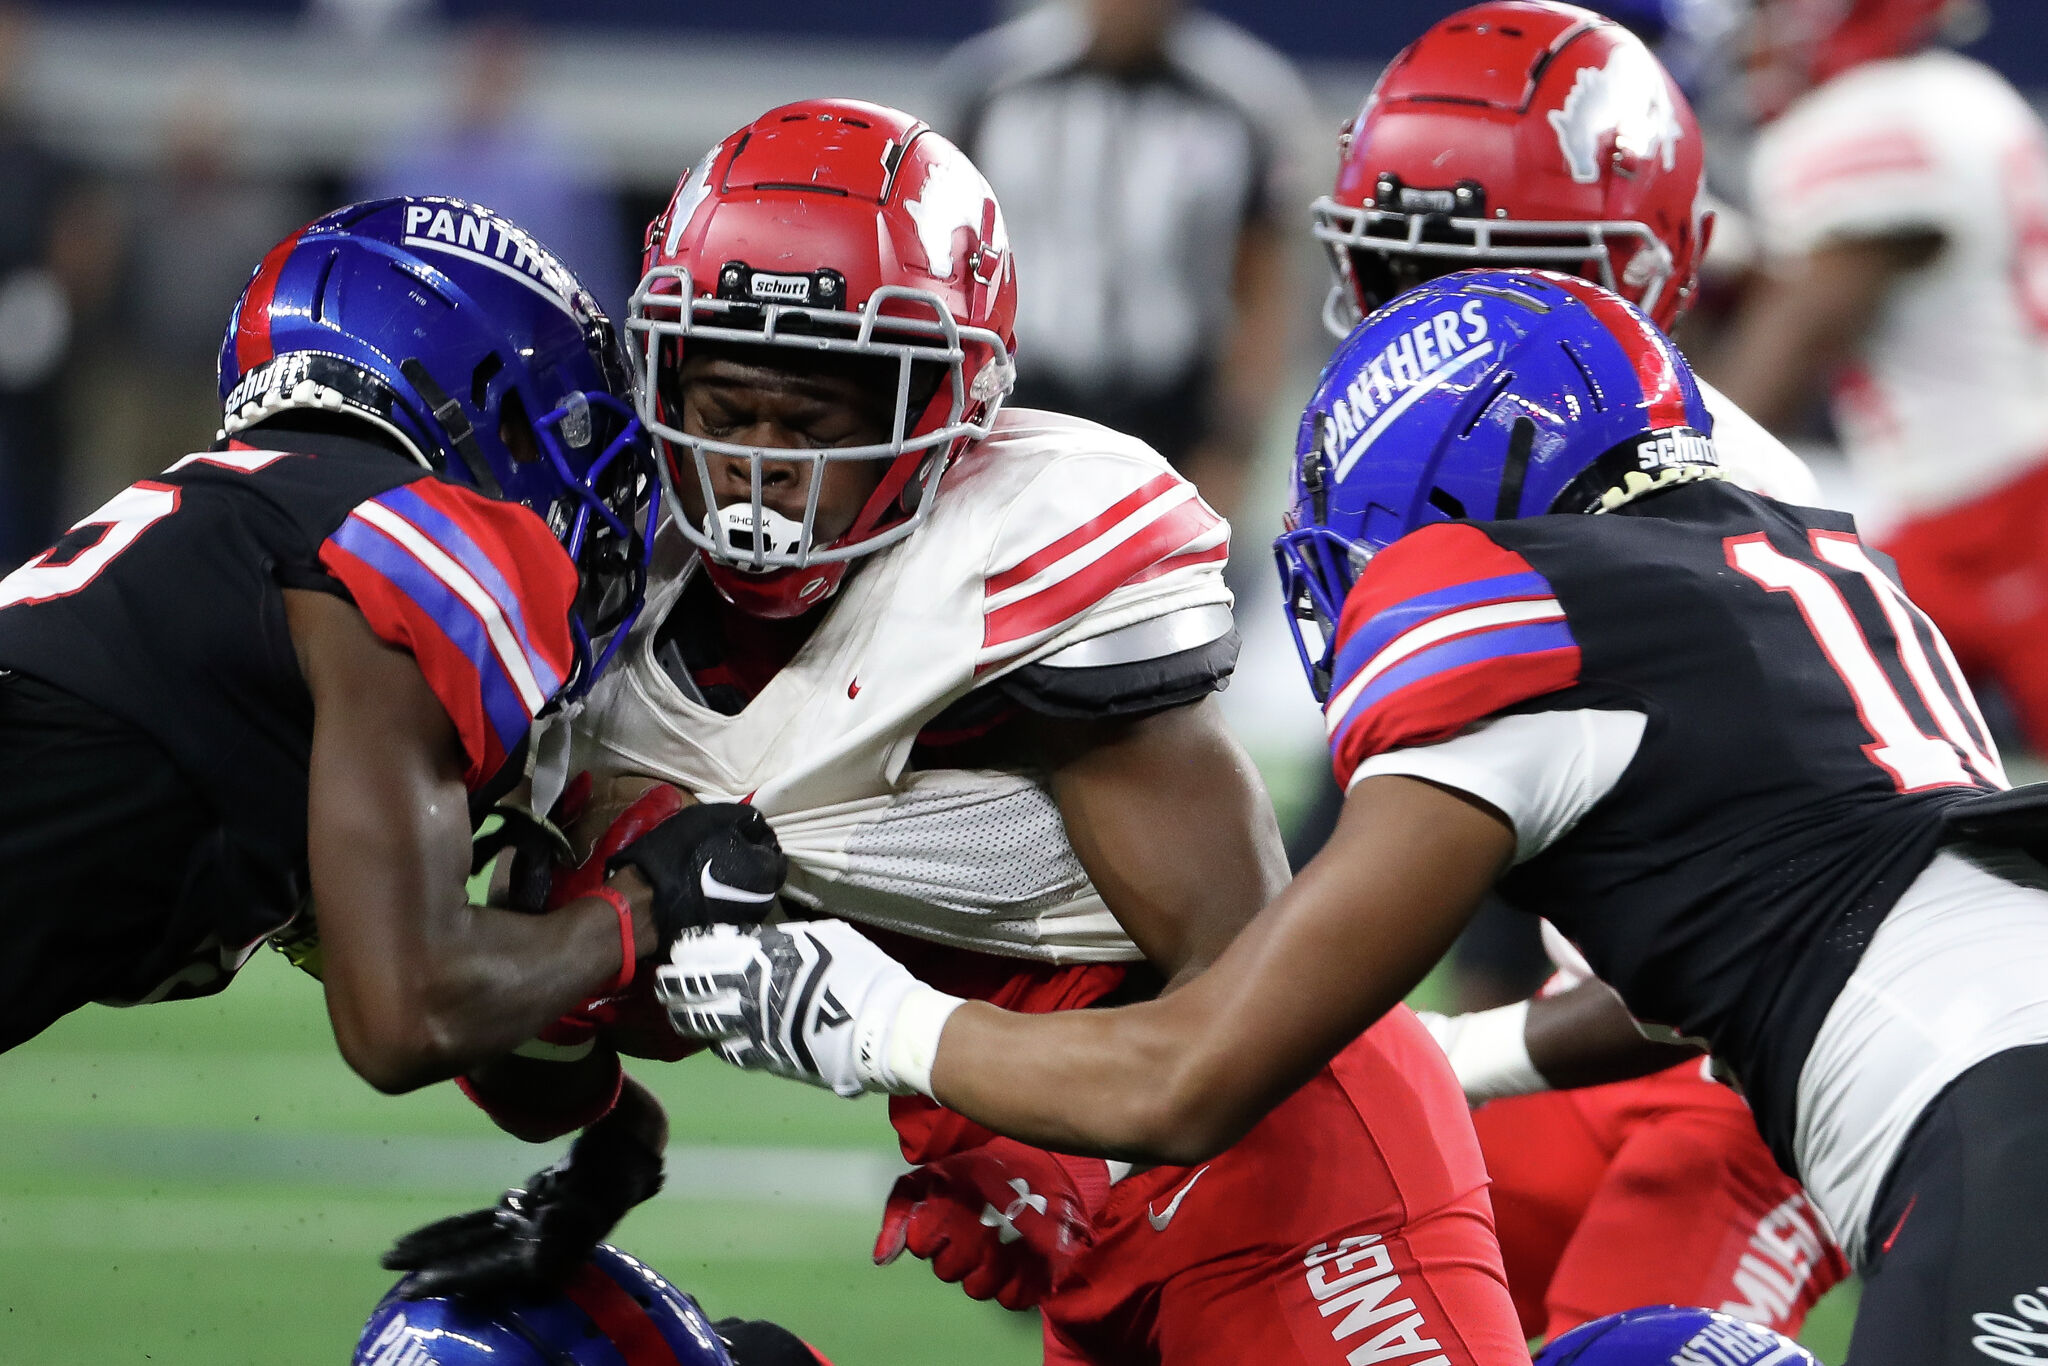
x,y
1798,44
1518,133
828,226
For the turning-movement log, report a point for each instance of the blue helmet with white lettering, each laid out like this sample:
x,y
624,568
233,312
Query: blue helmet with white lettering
x,y
616,1312
1484,395
471,347
1665,1334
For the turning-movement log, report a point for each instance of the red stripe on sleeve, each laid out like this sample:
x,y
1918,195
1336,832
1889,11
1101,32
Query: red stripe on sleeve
x,y
252,321
1068,597
1081,535
1655,370
619,1317
1425,562
398,620
526,555
1219,551
1448,702
1435,557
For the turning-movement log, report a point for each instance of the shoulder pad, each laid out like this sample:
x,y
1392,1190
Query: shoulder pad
x,y
1148,666
1085,527
1444,628
478,591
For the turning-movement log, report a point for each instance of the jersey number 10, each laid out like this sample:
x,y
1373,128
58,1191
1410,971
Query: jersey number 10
x,y
1914,759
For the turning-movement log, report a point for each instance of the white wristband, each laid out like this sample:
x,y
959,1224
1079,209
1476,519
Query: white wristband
x,y
899,1061
1489,1050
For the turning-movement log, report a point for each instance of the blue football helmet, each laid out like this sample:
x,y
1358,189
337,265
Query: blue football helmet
x,y
1484,395
449,329
617,1312
1662,1334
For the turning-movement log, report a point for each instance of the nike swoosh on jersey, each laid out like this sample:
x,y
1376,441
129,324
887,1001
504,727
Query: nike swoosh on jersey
x,y
714,888
1160,1221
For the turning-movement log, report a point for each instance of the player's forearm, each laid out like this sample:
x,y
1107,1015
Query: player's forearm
x,y
1580,1037
478,983
639,1116
499,978
1111,1084
1586,1037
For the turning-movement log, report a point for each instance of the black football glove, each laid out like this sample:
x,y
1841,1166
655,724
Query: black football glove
x,y
757,1342
532,1241
711,864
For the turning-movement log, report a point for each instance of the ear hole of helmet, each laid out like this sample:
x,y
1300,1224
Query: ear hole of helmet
x,y
515,430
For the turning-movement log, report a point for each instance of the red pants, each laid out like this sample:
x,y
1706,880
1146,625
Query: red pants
x,y
1981,571
1350,1225
1656,1191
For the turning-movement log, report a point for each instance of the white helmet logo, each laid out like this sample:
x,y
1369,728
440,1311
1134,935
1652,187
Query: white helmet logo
x,y
953,195
695,186
1627,96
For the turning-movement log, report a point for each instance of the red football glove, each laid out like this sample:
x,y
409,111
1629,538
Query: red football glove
x,y
633,1022
1004,1220
648,810
539,1099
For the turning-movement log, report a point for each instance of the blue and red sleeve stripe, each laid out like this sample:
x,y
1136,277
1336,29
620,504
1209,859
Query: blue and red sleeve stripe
x,y
1444,628
478,591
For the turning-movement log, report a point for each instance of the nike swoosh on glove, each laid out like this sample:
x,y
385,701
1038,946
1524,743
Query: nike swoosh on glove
x,y
711,864
1004,1220
814,1001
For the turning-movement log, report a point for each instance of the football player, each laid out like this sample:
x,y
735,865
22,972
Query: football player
x,y
1698,730
1901,197
961,656
1520,132
293,669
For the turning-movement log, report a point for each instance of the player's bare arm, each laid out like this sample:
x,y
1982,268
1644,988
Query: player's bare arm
x,y
1169,817
1580,1035
1800,323
1182,1078
421,984
1585,1037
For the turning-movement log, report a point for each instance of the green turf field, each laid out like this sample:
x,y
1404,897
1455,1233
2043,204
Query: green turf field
x,y
206,1184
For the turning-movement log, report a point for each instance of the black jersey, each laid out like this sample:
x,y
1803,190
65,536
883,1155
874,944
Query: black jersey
x,y
163,609
1805,731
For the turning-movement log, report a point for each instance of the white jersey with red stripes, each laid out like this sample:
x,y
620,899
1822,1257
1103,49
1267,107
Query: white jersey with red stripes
x,y
1948,395
1052,534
